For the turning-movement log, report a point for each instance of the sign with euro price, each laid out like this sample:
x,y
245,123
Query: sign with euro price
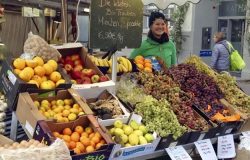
x,y
116,22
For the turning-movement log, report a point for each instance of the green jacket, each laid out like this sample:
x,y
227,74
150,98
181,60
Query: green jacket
x,y
165,51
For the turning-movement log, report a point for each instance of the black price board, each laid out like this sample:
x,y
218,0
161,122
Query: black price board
x,y
116,23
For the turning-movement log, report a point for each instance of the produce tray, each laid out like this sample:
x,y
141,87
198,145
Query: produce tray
x,y
12,85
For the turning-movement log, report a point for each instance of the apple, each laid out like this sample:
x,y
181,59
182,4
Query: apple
x,y
76,74
78,68
88,72
78,62
75,57
79,81
69,62
68,67
86,80
68,58
104,78
95,78
61,60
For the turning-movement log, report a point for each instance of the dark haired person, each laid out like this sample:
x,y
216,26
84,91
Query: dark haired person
x,y
157,43
220,57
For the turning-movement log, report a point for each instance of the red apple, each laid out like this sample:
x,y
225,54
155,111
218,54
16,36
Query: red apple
x,y
104,78
68,58
75,57
69,62
95,78
76,74
61,60
68,67
78,62
89,72
78,68
86,80
79,81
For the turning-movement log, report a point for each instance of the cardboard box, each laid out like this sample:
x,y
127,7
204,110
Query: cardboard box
x,y
12,85
4,140
45,129
104,96
26,107
120,152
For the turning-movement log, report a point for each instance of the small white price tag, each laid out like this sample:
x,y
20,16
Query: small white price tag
x,y
226,148
178,153
205,149
246,134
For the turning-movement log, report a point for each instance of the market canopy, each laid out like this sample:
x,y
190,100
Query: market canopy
x,y
163,4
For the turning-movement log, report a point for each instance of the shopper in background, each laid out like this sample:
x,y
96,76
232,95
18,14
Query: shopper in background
x,y
157,43
220,56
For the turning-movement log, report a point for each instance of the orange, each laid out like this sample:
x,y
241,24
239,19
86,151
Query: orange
x,y
67,131
67,144
91,135
56,134
79,129
66,138
75,137
40,71
72,145
39,61
95,139
77,151
147,61
140,66
80,146
147,69
88,130
98,145
85,141
138,61
19,63
98,135
84,134
102,141
148,65
139,58
90,149
92,143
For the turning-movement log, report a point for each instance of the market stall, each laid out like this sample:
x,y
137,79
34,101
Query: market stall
x,y
71,104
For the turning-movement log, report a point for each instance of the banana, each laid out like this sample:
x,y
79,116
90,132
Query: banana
x,y
110,63
106,63
122,60
100,61
129,65
124,69
109,71
119,67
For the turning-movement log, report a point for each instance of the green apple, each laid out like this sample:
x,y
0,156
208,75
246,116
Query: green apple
x,y
142,140
118,124
149,137
133,139
134,124
138,132
127,130
112,131
124,138
119,132
143,129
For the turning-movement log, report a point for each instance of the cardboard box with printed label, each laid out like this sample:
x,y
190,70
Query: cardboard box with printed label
x,y
44,132
12,85
28,114
120,152
100,103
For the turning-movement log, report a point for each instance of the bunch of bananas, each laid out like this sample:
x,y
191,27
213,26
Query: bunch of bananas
x,y
123,65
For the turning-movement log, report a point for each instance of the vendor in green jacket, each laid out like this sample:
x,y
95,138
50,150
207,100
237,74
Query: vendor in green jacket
x,y
157,44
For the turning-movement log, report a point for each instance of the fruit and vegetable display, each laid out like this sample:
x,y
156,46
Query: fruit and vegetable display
x,y
80,139
205,91
143,64
35,71
23,144
130,134
227,85
161,86
59,110
74,66
33,149
106,108
123,64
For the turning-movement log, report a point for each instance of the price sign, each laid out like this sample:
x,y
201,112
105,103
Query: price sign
x,y
178,153
226,148
205,149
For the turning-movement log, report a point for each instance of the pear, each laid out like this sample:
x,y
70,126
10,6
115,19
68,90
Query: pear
x,y
142,140
127,130
143,129
149,137
118,124
133,139
134,124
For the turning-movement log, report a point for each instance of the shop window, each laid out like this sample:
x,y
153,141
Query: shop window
x,y
206,38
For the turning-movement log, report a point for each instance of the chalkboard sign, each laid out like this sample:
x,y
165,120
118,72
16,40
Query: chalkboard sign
x,y
116,23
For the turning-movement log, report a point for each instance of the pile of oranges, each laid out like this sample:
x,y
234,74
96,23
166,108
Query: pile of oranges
x,y
143,64
81,140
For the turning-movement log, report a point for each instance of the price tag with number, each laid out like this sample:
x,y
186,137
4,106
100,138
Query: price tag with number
x,y
205,149
226,148
178,153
